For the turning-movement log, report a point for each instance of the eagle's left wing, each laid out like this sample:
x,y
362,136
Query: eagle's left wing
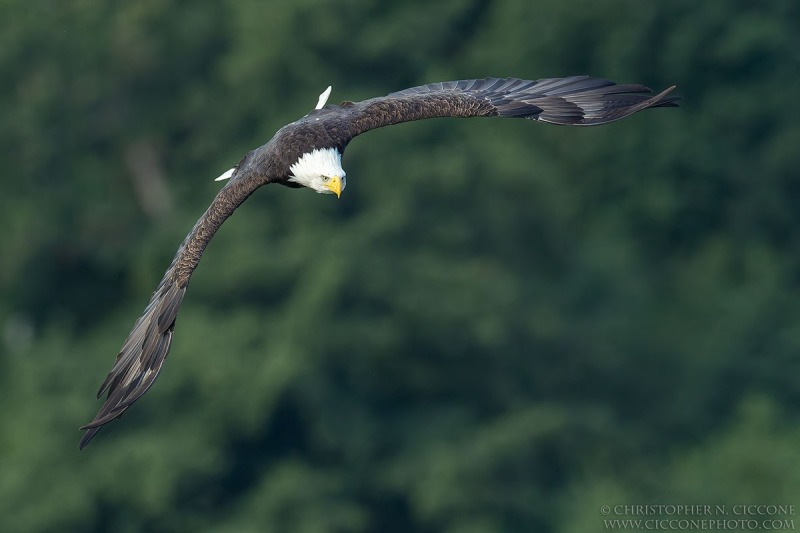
x,y
575,101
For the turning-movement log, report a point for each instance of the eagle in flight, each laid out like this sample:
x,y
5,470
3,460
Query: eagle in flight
x,y
308,153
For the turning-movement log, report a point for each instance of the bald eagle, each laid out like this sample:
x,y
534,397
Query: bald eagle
x,y
308,153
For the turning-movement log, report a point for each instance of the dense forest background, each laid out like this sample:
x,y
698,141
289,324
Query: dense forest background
x,y
501,326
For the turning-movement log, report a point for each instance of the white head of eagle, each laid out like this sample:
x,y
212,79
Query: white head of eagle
x,y
320,170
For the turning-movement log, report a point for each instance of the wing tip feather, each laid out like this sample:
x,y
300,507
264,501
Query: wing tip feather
x,y
141,358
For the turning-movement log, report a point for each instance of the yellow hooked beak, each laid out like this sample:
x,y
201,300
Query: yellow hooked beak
x,y
334,184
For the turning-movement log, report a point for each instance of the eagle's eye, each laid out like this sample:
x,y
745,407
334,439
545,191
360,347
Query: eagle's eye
x,y
325,178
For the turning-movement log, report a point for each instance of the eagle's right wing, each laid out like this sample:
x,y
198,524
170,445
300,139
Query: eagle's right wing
x,y
139,362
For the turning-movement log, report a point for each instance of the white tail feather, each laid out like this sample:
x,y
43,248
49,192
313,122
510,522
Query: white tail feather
x,y
227,174
323,98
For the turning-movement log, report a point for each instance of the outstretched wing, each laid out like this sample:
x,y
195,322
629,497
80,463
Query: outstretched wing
x,y
575,101
143,353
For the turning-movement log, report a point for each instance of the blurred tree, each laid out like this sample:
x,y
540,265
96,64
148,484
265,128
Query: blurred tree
x,y
500,327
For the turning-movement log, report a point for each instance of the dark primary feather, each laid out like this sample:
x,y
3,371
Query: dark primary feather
x,y
579,100
139,361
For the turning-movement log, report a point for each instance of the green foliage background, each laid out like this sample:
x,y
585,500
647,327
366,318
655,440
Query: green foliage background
x,y
501,326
